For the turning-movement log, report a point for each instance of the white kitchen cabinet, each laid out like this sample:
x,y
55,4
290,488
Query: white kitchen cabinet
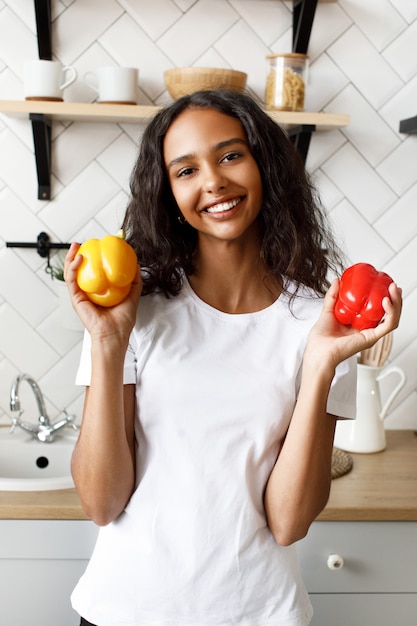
x,y
42,560
40,564
374,577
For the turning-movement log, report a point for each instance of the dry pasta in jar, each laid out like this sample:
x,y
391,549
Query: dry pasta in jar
x,y
285,81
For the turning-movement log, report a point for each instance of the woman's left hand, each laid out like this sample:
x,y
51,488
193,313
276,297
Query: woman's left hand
x,y
331,342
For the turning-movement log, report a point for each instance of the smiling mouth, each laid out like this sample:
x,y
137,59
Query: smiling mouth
x,y
223,207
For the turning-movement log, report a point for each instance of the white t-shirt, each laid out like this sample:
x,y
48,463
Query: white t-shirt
x,y
215,394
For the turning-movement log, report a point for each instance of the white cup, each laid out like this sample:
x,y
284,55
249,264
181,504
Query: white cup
x,y
46,80
114,84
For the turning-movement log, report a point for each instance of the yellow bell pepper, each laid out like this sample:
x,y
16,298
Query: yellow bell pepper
x,y
107,269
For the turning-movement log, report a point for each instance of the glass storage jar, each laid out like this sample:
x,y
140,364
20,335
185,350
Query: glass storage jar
x,y
285,81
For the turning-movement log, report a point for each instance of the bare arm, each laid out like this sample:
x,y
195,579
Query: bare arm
x,y
299,485
103,463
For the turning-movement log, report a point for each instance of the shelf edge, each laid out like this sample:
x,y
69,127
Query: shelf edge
x,y
94,112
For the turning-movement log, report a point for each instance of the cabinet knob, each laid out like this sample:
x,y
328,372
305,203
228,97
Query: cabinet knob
x,y
335,561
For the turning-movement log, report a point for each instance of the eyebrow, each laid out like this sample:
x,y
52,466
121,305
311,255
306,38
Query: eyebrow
x,y
217,146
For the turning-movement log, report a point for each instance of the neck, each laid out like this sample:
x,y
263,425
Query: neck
x,y
232,279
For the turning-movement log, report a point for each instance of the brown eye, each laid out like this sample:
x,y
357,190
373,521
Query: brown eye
x,y
231,156
186,171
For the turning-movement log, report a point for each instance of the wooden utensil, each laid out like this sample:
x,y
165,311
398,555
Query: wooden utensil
x,y
378,354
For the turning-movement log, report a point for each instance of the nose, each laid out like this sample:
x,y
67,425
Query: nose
x,y
214,179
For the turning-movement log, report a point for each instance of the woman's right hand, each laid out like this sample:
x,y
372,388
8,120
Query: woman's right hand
x,y
101,321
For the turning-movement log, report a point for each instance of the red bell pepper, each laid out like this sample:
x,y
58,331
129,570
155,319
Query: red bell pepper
x,y
362,289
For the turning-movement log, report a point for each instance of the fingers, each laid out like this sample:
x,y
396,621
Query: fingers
x,y
392,306
331,296
136,288
72,251
395,293
69,259
138,278
137,281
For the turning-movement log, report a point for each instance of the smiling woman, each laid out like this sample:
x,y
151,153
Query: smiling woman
x,y
292,228
214,178
215,386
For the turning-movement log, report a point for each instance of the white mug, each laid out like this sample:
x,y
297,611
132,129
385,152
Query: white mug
x,y
46,80
114,84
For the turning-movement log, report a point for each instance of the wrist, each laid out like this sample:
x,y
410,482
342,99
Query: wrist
x,y
319,364
109,347
317,373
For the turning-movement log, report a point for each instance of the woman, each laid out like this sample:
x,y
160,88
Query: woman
x,y
213,390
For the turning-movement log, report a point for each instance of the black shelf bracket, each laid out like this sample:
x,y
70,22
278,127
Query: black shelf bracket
x,y
41,129
44,28
302,18
409,126
302,23
301,137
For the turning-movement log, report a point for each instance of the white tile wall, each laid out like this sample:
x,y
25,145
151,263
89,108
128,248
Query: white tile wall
x,y
363,62
379,21
365,66
398,53
367,132
360,183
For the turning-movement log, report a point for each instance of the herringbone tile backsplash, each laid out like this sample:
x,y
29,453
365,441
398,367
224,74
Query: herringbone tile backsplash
x,y
363,61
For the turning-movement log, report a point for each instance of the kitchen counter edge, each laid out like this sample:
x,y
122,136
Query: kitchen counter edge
x,y
380,487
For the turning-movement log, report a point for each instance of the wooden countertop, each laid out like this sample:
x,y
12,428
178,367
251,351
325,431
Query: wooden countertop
x,y
381,486
63,504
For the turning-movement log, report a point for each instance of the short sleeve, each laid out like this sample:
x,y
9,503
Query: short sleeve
x,y
83,376
342,397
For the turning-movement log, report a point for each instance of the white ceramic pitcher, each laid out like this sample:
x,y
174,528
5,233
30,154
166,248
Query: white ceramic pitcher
x,y
367,432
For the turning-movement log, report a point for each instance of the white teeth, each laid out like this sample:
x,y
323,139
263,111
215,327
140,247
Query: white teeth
x,y
225,206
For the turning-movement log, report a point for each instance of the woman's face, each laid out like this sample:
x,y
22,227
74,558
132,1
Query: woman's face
x,y
213,175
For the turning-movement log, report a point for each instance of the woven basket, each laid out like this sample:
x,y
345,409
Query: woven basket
x,y
342,463
181,81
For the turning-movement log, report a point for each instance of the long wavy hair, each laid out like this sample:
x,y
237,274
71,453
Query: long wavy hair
x,y
296,242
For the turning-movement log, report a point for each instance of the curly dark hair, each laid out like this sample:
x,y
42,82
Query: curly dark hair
x,y
296,242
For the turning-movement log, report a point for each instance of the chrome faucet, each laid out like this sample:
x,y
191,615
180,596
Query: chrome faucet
x,y
44,430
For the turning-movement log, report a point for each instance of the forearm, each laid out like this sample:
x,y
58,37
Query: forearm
x,y
103,460
299,485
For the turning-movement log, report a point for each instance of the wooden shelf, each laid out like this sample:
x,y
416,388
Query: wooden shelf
x,y
78,111
300,126
131,113
321,121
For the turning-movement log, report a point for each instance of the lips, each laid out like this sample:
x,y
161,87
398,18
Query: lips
x,y
222,207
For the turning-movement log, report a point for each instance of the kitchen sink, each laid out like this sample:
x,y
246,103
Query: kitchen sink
x,y
27,464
